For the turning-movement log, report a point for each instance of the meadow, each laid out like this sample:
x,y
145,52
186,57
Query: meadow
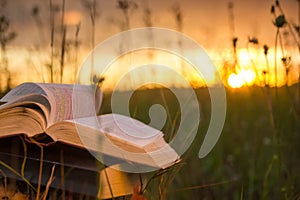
x,y
256,157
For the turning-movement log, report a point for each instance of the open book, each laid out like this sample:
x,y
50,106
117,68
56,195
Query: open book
x,y
69,117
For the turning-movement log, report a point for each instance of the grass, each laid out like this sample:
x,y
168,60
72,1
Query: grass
x,y
253,159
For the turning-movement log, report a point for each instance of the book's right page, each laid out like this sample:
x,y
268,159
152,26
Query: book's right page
x,y
115,136
124,128
126,138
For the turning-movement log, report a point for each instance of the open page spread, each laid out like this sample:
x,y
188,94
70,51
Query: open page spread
x,y
34,108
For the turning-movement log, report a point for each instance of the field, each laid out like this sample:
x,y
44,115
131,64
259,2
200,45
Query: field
x,y
256,157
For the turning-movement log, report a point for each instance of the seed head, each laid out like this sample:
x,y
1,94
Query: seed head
x,y
286,60
266,49
253,40
272,9
280,21
234,41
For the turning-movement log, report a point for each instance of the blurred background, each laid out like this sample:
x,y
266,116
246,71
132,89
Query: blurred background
x,y
254,45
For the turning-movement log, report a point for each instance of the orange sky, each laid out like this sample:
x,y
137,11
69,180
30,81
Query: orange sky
x,y
207,22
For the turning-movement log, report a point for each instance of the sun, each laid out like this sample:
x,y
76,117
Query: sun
x,y
235,81
243,77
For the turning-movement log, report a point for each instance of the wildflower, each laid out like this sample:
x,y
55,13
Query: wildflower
x,y
253,40
234,41
286,60
35,10
123,5
266,49
272,9
280,21
4,23
97,80
5,37
264,72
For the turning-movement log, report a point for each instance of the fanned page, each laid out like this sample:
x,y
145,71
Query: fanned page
x,y
25,94
31,96
22,90
31,101
58,101
13,120
71,101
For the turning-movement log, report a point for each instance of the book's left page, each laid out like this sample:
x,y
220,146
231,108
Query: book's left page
x,y
23,90
30,96
58,101
21,120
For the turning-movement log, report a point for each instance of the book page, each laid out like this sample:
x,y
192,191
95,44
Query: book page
x,y
122,127
62,99
28,94
21,120
30,101
23,90
100,145
58,101
165,156
84,133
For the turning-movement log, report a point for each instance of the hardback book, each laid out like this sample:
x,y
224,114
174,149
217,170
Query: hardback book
x,y
67,114
77,172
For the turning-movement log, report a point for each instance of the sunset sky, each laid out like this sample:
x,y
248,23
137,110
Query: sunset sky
x,y
207,22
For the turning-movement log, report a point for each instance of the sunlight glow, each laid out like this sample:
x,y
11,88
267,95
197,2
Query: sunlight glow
x,y
235,81
243,57
245,77
248,76
126,63
72,17
33,65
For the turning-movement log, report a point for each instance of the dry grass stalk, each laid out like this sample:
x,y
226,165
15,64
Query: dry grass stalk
x,y
18,174
51,179
51,40
41,168
5,182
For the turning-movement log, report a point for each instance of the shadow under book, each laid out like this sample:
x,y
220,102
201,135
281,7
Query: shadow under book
x,y
76,170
